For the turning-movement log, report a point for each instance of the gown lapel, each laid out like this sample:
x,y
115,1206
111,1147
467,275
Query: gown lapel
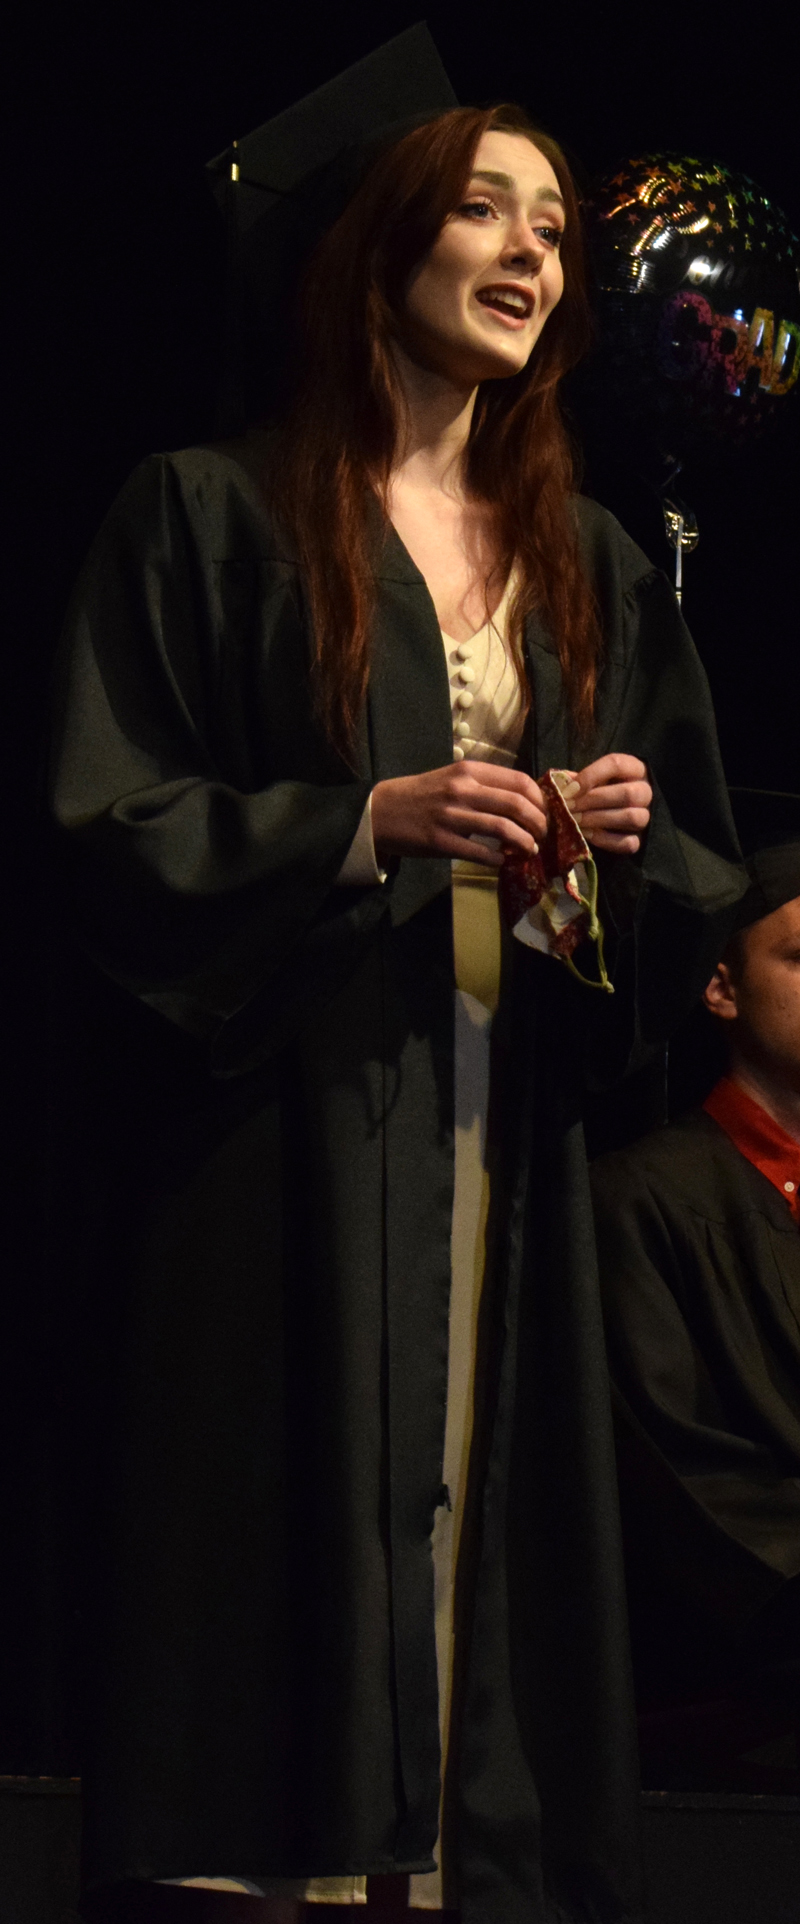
x,y
409,725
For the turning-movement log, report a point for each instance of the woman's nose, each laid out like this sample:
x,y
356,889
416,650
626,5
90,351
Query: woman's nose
x,y
523,248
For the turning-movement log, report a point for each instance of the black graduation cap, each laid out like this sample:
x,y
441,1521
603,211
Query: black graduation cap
x,y
768,826
281,188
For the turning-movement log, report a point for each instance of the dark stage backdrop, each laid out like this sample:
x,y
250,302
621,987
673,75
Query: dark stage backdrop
x,y
116,303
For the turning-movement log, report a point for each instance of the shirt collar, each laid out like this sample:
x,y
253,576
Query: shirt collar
x,y
758,1137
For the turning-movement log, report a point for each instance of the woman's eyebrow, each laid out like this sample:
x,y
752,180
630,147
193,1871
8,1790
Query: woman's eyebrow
x,y
507,180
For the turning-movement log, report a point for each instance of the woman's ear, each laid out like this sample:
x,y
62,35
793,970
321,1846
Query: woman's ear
x,y
720,995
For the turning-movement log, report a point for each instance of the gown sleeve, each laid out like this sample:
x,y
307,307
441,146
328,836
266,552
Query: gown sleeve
x,y
647,1274
197,876
673,907
694,1291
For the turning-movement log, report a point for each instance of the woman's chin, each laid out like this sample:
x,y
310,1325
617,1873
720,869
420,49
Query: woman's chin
x,y
467,364
500,368
506,369
473,370
500,360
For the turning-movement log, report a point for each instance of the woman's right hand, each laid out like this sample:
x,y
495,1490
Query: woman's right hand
x,y
436,813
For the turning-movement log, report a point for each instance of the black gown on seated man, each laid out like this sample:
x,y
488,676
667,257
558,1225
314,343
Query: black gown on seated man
x,y
274,1149
700,1274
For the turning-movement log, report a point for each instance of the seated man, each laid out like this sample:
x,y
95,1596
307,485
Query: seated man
x,y
699,1244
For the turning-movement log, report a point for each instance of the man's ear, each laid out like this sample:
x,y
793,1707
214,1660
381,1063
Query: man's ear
x,y
720,996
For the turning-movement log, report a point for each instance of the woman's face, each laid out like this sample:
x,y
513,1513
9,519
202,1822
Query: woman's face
x,y
476,305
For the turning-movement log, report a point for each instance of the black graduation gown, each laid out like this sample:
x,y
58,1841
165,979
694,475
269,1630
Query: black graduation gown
x,y
278,1178
700,1274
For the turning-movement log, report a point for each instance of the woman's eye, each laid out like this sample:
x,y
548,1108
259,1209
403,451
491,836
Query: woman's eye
x,y
484,210
479,207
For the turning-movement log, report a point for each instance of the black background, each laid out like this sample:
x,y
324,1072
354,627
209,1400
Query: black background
x,y
115,296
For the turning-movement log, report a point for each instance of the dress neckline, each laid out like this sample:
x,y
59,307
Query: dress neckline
x,y
491,621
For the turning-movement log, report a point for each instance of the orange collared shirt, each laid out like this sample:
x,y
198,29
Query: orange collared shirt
x,y
759,1138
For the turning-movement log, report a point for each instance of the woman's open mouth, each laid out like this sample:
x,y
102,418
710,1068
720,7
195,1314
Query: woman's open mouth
x,y
514,305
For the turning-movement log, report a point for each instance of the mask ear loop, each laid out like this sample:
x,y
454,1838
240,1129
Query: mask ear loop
x,y
594,934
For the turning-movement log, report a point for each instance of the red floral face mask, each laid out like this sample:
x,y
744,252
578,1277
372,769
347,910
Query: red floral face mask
x,y
549,900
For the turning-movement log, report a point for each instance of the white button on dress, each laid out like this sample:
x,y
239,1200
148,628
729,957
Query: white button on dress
x,y
483,680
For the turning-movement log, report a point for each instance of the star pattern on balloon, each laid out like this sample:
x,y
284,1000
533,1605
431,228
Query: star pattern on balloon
x,y
695,263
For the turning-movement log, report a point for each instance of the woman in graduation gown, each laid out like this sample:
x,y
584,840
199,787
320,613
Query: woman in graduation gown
x,y
270,641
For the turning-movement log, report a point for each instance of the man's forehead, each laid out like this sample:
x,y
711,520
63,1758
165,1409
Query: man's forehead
x,y
789,917
779,930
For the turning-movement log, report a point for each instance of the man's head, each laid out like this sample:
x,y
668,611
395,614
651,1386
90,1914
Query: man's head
x,y
755,989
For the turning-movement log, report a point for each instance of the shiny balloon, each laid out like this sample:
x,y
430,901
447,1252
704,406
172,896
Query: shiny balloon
x,y
698,284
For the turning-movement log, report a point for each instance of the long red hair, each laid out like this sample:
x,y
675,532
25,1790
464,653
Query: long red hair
x,y
340,439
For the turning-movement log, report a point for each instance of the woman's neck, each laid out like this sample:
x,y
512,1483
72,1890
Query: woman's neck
x,y
450,537
438,419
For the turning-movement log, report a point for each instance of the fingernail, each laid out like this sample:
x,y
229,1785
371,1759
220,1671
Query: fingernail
x,y
572,788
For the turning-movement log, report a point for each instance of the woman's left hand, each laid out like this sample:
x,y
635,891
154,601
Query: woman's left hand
x,y
613,805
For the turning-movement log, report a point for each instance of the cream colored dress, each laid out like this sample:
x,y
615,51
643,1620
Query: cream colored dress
x,y
487,726
487,714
